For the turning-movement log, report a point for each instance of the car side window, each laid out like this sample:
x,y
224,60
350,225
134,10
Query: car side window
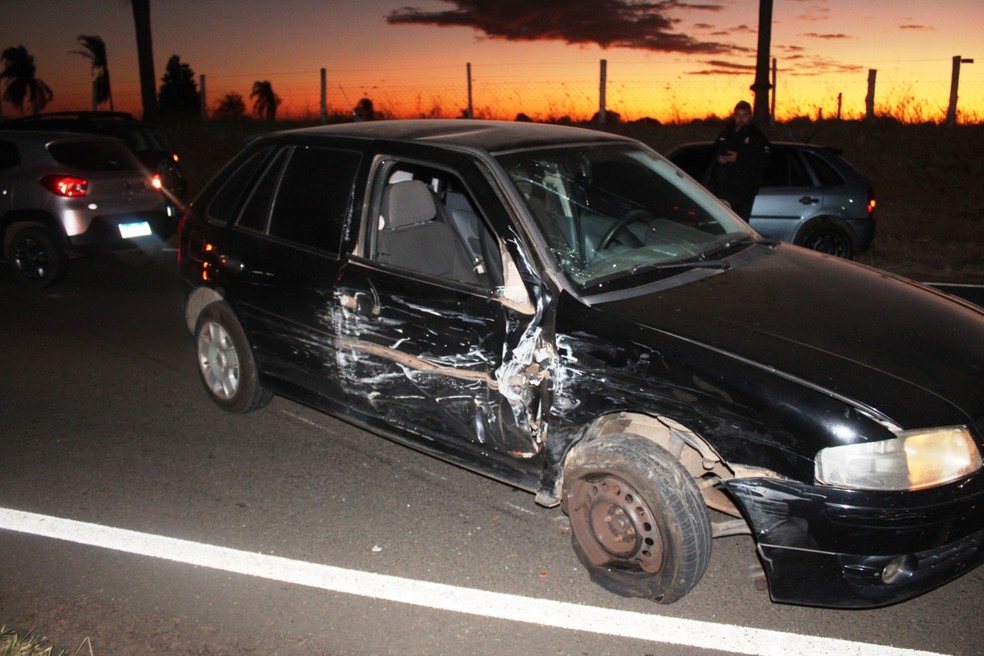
x,y
427,222
786,170
825,173
228,199
315,197
257,209
9,155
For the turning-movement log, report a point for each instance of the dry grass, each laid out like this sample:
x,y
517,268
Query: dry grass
x,y
929,180
14,643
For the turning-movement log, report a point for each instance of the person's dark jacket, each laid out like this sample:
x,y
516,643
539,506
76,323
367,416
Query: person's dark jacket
x,y
739,182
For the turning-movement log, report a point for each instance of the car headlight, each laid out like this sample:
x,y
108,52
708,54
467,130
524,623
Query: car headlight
x,y
913,460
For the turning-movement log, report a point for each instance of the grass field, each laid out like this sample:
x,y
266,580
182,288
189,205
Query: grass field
x,y
928,179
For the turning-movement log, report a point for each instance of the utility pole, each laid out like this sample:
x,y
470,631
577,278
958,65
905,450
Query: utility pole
x,y
760,109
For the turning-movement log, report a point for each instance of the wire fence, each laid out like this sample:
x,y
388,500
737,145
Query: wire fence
x,y
445,93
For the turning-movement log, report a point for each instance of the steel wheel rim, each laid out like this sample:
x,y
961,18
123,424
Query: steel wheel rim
x,y
218,360
615,525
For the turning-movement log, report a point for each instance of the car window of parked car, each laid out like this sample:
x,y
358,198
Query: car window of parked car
x,y
314,197
92,156
786,170
9,155
826,174
227,200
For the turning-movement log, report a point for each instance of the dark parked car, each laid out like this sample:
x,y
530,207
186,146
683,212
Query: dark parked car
x,y
144,140
810,196
64,195
567,312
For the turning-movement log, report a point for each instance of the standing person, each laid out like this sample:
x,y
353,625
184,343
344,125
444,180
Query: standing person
x,y
741,155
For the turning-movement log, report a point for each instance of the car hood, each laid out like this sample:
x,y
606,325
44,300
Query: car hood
x,y
884,343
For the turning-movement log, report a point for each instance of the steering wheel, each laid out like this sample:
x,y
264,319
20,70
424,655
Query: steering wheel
x,y
630,217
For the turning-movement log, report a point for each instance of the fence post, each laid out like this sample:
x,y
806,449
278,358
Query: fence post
x,y
951,111
470,112
324,96
869,100
202,98
95,95
772,106
602,86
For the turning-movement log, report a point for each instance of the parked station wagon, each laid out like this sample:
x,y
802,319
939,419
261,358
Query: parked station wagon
x,y
567,312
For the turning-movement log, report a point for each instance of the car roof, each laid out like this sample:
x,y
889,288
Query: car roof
x,y
47,136
491,136
72,117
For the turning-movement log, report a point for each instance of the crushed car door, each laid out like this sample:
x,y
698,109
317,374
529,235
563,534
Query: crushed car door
x,y
431,341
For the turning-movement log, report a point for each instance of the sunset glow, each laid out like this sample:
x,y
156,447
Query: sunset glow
x,y
415,63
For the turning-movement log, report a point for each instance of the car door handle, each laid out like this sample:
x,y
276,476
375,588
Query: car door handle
x,y
809,200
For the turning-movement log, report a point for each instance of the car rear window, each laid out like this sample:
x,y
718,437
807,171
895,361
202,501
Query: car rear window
x,y
92,156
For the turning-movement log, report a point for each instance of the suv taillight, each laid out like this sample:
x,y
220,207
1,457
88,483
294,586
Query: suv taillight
x,y
871,201
65,185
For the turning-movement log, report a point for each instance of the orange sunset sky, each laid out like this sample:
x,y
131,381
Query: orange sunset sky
x,y
671,60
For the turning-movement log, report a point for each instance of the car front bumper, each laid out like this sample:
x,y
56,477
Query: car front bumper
x,y
850,549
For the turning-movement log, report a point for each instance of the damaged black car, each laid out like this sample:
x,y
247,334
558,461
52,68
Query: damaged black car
x,y
567,312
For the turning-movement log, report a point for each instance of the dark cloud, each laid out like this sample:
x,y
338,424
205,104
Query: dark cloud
x,y
917,27
607,23
815,35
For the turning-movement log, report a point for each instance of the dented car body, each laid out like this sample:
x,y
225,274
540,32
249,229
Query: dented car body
x,y
567,312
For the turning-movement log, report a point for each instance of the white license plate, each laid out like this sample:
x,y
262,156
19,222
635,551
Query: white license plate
x,y
131,230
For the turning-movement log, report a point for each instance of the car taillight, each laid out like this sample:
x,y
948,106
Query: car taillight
x,y
155,182
871,202
65,185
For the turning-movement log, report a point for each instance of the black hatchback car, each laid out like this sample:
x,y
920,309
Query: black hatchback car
x,y
567,312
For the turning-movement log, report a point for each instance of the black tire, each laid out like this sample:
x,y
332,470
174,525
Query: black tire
x,y
828,238
35,259
639,523
225,362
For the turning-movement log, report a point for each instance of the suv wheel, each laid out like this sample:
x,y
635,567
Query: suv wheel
x,y
639,523
35,258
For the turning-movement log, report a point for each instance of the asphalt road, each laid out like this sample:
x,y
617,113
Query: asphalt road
x,y
103,423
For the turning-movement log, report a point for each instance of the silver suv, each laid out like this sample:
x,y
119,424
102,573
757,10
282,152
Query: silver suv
x,y
810,196
64,195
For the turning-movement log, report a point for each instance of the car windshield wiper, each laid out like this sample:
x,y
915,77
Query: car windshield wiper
x,y
723,265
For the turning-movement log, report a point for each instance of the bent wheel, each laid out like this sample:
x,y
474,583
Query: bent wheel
x,y
638,521
225,362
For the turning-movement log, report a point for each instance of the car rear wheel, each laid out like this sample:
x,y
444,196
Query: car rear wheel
x,y
639,523
35,258
225,362
830,239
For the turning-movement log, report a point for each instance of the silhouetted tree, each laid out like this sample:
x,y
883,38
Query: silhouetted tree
x,y
178,95
230,108
145,58
19,75
94,50
265,101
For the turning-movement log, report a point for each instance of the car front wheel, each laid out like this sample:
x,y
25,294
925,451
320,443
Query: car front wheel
x,y
225,362
639,523
35,259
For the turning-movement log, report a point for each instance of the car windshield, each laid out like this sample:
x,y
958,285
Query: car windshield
x,y
611,212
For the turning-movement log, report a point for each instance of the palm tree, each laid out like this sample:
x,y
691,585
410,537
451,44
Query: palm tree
x,y
230,108
94,50
265,101
145,58
21,84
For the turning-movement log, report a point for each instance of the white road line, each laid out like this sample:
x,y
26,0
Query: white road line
x,y
574,617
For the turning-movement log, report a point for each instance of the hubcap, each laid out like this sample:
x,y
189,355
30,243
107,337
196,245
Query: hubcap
x,y
614,525
218,360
